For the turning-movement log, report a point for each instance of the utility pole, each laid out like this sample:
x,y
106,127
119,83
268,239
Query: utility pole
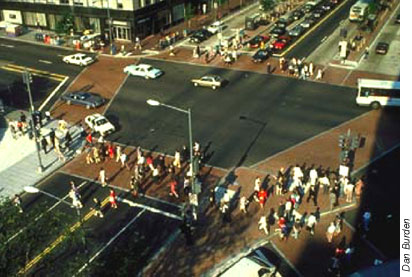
x,y
110,27
27,79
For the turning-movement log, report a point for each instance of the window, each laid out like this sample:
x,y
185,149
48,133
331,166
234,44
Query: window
x,y
64,2
119,4
78,3
147,2
12,16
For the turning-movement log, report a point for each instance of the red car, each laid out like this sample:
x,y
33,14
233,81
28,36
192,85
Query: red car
x,y
281,43
256,41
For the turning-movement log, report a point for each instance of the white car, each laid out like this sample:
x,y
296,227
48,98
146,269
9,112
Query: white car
x,y
212,81
143,70
216,26
78,59
99,123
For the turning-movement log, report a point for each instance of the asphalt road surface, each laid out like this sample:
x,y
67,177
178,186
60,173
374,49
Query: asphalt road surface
x,y
312,41
36,57
152,219
252,117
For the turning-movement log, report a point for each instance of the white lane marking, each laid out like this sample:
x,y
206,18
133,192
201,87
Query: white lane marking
x,y
324,39
151,209
53,93
109,242
42,214
7,45
45,61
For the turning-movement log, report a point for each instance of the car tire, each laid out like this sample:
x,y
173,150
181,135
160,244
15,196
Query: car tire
x,y
68,102
146,77
195,84
375,105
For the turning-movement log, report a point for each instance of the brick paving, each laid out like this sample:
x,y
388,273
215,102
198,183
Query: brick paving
x,y
103,77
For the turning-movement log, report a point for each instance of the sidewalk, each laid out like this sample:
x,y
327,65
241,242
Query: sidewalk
x,y
19,162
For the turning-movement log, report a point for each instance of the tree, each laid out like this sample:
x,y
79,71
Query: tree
x,y
267,5
65,25
32,235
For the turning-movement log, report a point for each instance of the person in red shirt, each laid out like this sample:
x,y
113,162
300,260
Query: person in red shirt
x,y
112,199
262,195
110,151
89,139
173,185
149,162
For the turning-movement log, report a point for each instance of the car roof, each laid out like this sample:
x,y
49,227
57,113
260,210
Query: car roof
x,y
143,65
244,267
79,55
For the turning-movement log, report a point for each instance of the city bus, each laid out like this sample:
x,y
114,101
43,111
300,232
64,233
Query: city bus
x,y
378,93
359,11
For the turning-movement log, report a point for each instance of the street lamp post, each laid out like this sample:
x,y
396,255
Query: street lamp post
x,y
31,189
27,79
152,102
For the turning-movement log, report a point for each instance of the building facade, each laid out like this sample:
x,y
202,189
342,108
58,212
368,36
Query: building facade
x,y
129,18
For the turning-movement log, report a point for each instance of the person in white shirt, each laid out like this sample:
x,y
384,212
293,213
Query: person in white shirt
x,y
263,224
330,232
313,176
102,177
311,223
243,204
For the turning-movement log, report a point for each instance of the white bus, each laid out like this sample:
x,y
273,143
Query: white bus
x,y
359,11
378,93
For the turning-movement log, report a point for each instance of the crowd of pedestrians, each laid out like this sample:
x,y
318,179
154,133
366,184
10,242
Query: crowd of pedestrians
x,y
300,69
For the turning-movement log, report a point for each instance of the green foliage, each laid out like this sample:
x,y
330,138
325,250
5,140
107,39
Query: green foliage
x,y
66,24
267,5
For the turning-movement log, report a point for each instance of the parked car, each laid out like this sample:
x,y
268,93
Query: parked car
x,y
212,81
264,21
260,56
90,100
287,19
257,40
296,31
215,27
143,70
382,48
99,123
307,23
318,13
79,59
277,31
280,24
308,8
281,42
327,6
200,36
298,14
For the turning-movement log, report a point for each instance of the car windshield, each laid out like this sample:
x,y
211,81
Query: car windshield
x,y
101,121
83,96
150,68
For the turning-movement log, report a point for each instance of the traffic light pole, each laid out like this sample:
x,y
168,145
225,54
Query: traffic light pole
x,y
27,81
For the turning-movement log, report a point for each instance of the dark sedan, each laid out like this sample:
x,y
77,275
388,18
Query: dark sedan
x,y
90,100
200,35
260,56
277,32
382,48
257,41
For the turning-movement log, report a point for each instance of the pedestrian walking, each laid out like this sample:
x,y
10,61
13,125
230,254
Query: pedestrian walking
x,y
279,186
97,208
348,190
23,119
262,197
311,223
68,139
319,75
89,139
366,52
112,199
332,199
186,185
133,186
43,144
176,161
137,44
297,228
268,68
173,185
75,199
257,184
243,204
123,160
313,193
17,202
118,153
155,175
52,136
207,57
311,69
330,232
263,224
224,208
110,151
359,187
366,219
102,177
